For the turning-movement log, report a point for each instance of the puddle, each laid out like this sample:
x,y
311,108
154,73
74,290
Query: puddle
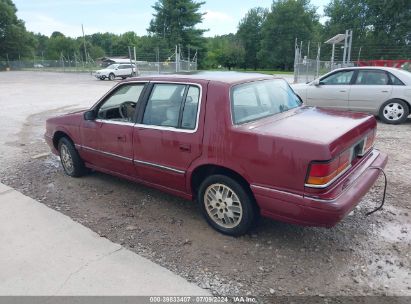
x,y
52,161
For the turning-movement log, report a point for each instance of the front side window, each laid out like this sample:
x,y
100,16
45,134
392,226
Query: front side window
x,y
121,104
172,105
372,78
255,100
339,78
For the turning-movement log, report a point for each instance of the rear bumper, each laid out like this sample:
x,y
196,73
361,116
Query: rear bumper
x,y
313,211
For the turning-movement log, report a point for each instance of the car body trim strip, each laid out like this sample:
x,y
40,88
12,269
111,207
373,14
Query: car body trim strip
x,y
106,153
159,166
276,190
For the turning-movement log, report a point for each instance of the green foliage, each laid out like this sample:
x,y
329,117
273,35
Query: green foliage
x,y
380,26
287,20
250,35
15,41
224,51
175,21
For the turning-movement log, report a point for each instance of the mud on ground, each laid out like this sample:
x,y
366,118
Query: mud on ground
x,y
360,256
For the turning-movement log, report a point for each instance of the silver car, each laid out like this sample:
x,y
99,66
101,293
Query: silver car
x,y
382,91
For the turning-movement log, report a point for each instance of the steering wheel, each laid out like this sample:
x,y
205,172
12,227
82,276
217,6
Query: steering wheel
x,y
125,107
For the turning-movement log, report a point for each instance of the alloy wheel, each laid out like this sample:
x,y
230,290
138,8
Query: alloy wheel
x,y
393,111
66,159
223,205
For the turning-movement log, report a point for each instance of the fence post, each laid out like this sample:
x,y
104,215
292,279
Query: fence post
x,y
158,59
177,58
318,60
296,52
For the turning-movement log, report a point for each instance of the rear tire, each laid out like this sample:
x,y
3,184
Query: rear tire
x,y
111,76
394,111
226,205
72,164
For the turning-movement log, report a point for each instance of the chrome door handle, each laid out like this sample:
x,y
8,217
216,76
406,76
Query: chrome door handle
x,y
343,91
384,91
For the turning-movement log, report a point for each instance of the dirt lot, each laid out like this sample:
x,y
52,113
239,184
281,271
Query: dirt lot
x,y
360,256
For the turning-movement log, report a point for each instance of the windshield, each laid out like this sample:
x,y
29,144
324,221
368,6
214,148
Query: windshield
x,y
112,67
255,100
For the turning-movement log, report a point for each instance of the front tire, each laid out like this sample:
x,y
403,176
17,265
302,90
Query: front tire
x,y
72,164
394,111
111,76
226,205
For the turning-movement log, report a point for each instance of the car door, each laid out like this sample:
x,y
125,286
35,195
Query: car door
x,y
168,138
332,91
107,141
370,89
122,70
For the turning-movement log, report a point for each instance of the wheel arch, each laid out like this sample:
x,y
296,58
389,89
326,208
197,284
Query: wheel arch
x,y
408,103
59,135
202,171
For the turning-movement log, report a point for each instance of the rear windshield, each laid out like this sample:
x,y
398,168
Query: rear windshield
x,y
255,100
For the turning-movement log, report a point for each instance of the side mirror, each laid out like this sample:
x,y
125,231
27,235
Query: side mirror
x,y
89,115
317,82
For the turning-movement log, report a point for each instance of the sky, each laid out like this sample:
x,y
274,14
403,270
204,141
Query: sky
x,y
114,16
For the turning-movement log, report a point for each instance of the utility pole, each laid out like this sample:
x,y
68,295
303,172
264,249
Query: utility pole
x,y
84,42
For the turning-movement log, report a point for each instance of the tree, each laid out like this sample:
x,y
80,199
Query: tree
x,y
14,39
176,20
287,20
224,51
377,25
249,33
59,45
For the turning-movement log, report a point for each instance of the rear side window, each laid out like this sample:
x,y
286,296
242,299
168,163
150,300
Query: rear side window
x,y
372,78
255,100
395,80
172,105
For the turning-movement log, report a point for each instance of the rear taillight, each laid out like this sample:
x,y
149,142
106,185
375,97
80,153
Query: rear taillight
x,y
368,142
321,174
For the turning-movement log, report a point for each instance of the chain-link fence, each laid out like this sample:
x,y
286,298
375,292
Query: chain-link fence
x,y
309,69
145,68
164,62
309,66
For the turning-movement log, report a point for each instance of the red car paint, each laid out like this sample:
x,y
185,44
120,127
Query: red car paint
x,y
271,154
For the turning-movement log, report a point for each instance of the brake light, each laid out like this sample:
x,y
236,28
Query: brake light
x,y
321,174
368,142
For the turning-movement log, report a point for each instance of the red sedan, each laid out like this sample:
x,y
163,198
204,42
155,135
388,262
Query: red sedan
x,y
240,144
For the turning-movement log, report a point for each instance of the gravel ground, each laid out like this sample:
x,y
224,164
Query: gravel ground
x,y
360,256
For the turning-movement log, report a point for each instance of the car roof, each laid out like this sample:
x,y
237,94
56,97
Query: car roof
x,y
224,77
404,75
370,68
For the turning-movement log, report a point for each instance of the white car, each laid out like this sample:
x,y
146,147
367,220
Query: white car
x,y
382,91
122,70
